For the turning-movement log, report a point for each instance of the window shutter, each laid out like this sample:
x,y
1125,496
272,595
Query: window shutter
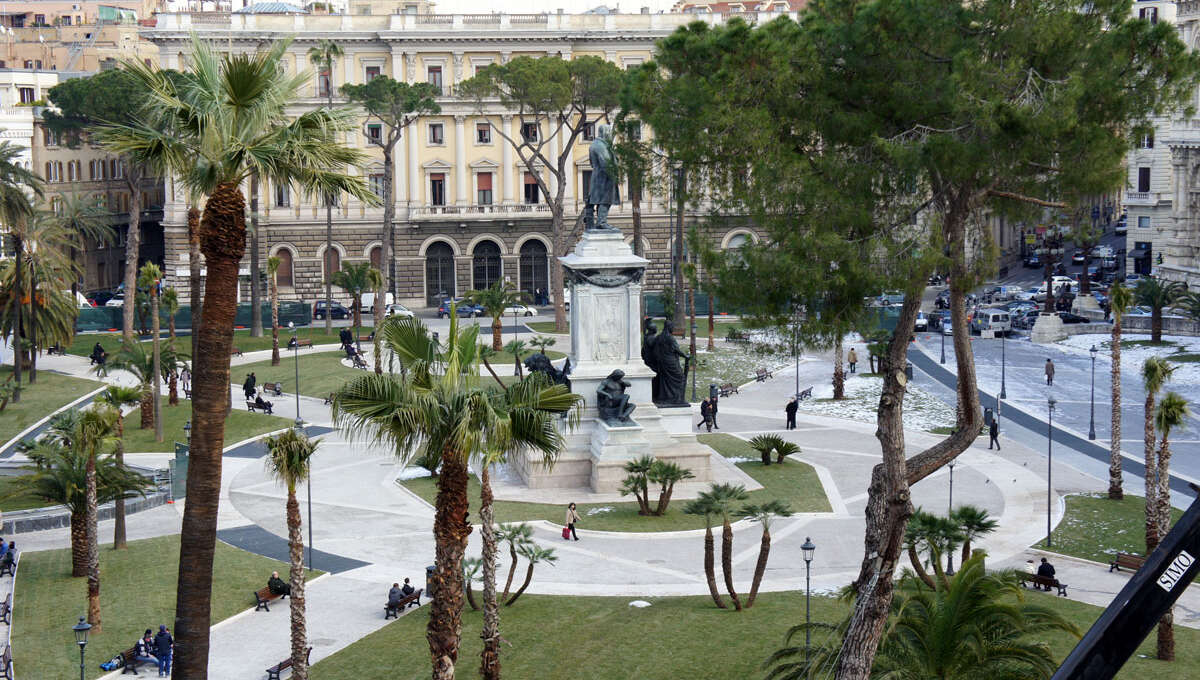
x,y
485,181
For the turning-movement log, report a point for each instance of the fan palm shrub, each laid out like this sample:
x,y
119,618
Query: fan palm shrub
x,y
1157,294
763,514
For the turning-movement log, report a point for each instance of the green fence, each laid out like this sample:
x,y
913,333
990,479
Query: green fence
x,y
109,318
654,305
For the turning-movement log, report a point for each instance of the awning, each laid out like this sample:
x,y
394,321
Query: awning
x,y
1140,253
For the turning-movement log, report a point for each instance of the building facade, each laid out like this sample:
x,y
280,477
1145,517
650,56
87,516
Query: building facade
x,y
468,213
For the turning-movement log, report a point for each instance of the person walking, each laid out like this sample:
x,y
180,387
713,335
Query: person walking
x,y
248,386
163,644
994,434
185,381
706,414
712,411
572,518
1049,372
790,411
852,359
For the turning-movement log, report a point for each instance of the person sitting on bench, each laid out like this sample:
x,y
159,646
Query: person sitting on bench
x,y
141,651
261,403
277,585
395,595
1046,570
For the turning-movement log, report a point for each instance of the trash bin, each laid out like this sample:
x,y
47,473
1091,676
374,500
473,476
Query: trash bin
x,y
908,371
712,391
429,589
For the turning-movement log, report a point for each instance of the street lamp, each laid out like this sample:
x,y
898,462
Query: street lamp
x,y
294,345
1092,423
1003,366
1049,459
187,433
81,635
808,549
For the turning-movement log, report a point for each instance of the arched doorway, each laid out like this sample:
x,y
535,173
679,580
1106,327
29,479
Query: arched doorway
x,y
439,273
376,256
284,275
534,268
485,265
333,263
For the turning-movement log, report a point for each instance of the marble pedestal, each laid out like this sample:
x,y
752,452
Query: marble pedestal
x,y
605,277
1047,329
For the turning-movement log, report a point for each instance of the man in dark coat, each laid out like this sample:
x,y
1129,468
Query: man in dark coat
x,y
790,411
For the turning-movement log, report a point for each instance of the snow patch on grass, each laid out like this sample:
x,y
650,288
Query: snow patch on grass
x,y
922,410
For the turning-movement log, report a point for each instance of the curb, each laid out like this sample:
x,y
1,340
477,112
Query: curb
x,y
20,436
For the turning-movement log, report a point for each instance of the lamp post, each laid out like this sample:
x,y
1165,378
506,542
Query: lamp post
x,y
187,433
81,635
1049,459
809,549
949,510
1092,422
294,345
1003,366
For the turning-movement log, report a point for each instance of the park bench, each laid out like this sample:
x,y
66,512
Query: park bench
x,y
6,670
275,388
129,661
10,568
805,394
762,374
366,338
728,389
264,596
1128,561
392,611
253,408
235,352
1044,582
56,349
6,610
274,671
303,342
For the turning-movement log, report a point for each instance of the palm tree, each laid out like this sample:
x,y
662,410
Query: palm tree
x,y
16,210
58,476
977,624
917,539
471,567
723,497
1119,300
637,482
766,444
517,348
533,554
541,342
486,354
1172,412
118,397
494,300
168,305
135,360
321,56
289,458
973,522
94,438
47,316
438,405
1157,294
214,127
763,514
273,281
80,216
150,278
515,535
1155,373
378,308
704,506
357,279
666,475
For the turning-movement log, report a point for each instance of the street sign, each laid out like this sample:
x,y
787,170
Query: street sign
x,y
1031,239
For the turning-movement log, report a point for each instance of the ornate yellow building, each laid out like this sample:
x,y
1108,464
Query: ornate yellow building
x,y
467,212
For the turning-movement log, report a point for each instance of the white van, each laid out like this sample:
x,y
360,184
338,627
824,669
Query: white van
x,y
991,320
368,302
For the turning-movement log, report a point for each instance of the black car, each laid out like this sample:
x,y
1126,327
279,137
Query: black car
x,y
336,310
1069,317
1033,261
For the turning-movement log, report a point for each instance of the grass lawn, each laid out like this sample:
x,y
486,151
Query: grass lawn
x,y
137,591
320,373
111,342
599,638
794,482
50,393
1096,528
241,424
13,498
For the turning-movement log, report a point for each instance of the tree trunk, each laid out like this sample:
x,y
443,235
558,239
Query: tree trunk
x,y
1156,325
1151,463
388,255
296,597
760,567
223,239
471,597
79,544
146,410
450,530
377,341
193,218
712,324
528,579
256,322
497,334
1116,489
727,563
489,664
274,283
709,570
1165,648
18,335
556,273
33,344
133,181
173,388
677,251
1166,624
512,569
158,419
635,211
119,538
664,499
327,269
93,543
919,569
839,375
966,551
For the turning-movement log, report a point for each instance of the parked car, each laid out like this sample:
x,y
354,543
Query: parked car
x,y
1026,319
520,310
1079,257
463,309
1070,317
891,298
991,320
397,310
1132,279
368,302
1033,261
117,300
922,323
336,310
1122,228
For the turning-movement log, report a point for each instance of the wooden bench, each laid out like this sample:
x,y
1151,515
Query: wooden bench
x,y
235,352
805,394
6,670
6,610
274,671
1129,561
366,338
251,407
392,611
56,349
275,388
264,596
728,389
304,342
129,661
762,374
1046,582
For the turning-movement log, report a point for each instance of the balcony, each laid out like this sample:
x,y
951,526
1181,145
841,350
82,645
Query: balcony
x,y
478,211
1141,198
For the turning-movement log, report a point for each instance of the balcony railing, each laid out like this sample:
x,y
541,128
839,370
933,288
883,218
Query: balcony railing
x,y
1140,198
476,210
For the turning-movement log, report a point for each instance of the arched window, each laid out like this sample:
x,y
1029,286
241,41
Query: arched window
x,y
485,265
285,276
333,262
534,271
738,241
376,256
439,273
